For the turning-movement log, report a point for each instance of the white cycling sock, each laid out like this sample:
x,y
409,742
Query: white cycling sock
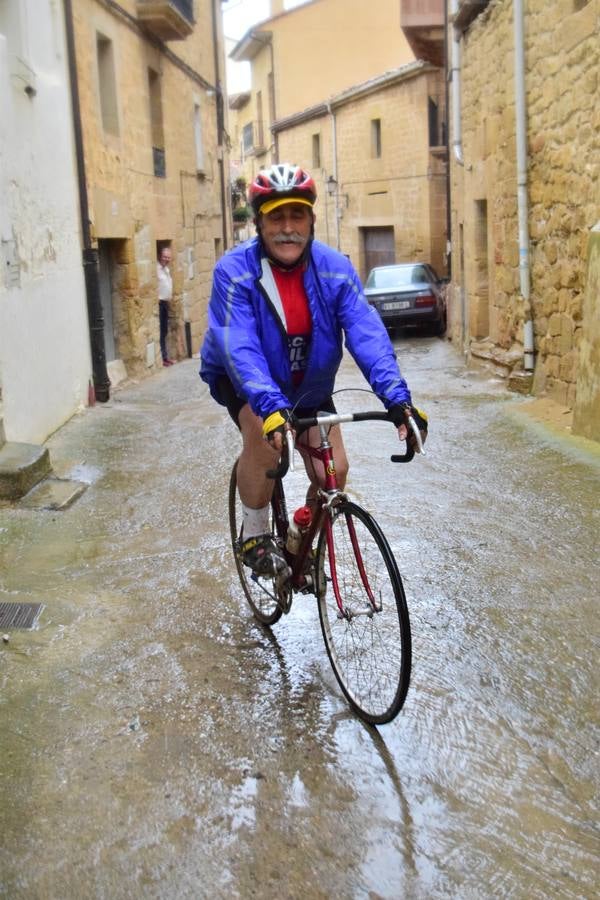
x,y
255,521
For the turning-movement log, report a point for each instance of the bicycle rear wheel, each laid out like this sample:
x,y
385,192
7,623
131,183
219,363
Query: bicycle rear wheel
x,y
370,647
261,592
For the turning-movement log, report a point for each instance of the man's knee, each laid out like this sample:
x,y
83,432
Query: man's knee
x,y
252,437
341,469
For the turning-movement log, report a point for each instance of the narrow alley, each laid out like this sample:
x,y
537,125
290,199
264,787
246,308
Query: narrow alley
x,y
157,742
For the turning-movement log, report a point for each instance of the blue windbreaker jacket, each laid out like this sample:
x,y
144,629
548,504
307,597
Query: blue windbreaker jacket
x,y
246,337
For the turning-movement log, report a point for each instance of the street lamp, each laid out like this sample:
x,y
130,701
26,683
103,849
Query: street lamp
x,y
331,185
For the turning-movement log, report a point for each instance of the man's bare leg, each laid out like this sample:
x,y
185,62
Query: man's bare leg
x,y
257,456
255,490
314,467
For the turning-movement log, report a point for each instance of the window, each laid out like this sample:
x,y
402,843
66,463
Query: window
x,y
247,138
316,151
198,138
375,138
107,84
433,119
156,124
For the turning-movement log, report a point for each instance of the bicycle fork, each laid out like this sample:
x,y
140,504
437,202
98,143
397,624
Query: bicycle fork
x,y
344,613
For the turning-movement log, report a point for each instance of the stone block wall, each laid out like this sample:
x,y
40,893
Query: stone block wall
x,y
128,202
563,120
403,189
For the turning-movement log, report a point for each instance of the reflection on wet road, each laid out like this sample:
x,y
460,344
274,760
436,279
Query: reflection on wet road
x,y
157,742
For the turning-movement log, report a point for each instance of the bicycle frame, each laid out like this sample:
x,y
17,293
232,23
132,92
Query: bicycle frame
x,y
326,499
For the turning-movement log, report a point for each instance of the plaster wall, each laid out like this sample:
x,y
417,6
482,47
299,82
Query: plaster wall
x,y
336,44
45,360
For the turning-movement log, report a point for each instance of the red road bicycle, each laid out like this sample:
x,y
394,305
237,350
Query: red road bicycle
x,y
345,560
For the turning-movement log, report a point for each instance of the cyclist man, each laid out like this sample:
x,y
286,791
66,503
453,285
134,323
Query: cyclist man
x,y
280,307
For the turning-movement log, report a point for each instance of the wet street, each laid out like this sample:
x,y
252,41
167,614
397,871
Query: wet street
x,y
156,742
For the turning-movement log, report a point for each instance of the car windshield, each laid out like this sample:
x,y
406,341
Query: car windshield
x,y
394,276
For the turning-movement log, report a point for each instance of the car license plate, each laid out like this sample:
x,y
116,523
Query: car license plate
x,y
397,304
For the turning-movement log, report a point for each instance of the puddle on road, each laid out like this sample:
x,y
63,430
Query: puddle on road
x,y
159,740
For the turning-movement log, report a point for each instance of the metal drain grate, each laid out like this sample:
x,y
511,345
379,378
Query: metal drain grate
x,y
19,615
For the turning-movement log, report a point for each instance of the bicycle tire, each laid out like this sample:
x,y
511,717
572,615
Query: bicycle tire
x,y
260,592
370,653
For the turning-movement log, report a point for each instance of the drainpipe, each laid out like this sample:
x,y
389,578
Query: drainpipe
x,y
455,77
447,143
89,253
335,172
220,124
457,144
522,203
273,99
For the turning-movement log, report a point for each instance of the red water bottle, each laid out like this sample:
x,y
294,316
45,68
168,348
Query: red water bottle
x,y
297,528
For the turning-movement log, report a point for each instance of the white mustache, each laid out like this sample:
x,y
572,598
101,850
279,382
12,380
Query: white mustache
x,y
289,238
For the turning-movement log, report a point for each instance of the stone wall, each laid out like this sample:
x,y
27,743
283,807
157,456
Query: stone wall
x,y
586,418
132,206
343,44
403,189
563,116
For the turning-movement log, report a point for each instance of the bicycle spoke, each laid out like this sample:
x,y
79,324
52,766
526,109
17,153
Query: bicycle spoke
x,y
370,653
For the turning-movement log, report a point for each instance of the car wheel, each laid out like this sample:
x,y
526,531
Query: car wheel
x,y
440,326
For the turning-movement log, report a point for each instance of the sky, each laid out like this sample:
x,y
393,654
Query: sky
x,y
238,17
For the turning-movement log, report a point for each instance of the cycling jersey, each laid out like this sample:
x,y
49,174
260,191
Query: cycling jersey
x,y
290,287
246,338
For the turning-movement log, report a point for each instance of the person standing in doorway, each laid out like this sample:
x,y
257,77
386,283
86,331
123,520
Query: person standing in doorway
x,y
165,295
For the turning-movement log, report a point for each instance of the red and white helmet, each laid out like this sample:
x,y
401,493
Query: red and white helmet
x,y
281,183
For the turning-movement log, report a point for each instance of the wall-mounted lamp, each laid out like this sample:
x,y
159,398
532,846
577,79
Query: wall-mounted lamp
x,y
331,185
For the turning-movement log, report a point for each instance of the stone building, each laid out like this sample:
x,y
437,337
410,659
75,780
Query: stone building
x,y
301,56
149,80
525,189
365,117
377,151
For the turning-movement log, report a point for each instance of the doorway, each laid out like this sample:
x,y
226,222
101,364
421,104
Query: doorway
x,y
480,312
379,248
106,290
111,257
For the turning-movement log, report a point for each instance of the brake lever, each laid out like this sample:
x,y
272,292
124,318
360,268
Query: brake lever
x,y
289,436
417,434
287,459
410,452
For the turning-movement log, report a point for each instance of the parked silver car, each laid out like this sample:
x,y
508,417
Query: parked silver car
x,y
408,294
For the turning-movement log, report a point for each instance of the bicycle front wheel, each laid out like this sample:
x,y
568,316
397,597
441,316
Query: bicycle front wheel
x,y
261,592
368,642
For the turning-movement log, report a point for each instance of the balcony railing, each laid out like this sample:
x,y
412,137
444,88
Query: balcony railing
x,y
169,20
